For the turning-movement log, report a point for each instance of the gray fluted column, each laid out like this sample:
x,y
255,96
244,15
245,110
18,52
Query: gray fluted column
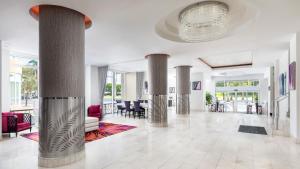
x,y
183,89
158,82
61,58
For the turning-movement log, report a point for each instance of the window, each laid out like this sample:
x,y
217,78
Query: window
x,y
113,88
237,83
220,84
23,81
108,87
255,83
220,96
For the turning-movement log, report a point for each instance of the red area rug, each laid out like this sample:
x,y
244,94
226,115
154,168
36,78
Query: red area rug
x,y
105,129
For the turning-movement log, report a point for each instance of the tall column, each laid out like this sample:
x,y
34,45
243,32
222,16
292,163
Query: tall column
x,y
183,89
0,89
5,97
62,87
158,82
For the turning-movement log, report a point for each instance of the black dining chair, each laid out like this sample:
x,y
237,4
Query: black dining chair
x,y
118,101
121,109
142,101
137,109
128,108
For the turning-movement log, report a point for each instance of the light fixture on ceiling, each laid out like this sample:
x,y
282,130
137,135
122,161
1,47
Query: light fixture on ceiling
x,y
204,21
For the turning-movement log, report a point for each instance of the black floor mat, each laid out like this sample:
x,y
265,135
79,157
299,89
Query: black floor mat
x,y
252,129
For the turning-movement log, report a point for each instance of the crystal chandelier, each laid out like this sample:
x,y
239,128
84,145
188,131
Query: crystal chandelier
x,y
204,21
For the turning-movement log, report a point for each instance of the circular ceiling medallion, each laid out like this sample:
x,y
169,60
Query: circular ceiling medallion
x,y
204,21
35,12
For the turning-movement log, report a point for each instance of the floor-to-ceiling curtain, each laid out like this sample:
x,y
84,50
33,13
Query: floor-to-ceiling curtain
x,y
102,73
139,84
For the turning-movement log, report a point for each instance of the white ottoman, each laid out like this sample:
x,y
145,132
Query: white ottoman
x,y
91,124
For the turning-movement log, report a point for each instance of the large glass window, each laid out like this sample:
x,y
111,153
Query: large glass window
x,y
109,87
23,81
113,90
220,95
237,83
220,84
237,94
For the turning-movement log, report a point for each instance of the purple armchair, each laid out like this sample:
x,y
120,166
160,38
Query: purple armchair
x,y
95,111
15,122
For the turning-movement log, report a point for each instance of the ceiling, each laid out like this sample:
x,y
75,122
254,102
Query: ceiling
x,y
123,32
228,59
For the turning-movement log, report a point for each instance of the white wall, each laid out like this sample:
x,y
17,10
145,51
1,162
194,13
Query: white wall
x,y
130,86
0,89
5,79
197,96
264,93
172,83
283,67
295,94
209,84
145,95
5,82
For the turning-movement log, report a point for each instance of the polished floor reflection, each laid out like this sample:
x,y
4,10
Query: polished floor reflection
x,y
199,141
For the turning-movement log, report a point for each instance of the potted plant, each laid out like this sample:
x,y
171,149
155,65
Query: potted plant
x,y
208,100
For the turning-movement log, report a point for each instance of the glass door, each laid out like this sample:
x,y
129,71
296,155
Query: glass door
x,y
242,101
229,106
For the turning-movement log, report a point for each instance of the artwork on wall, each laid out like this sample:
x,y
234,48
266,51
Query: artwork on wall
x,y
196,85
292,76
282,84
171,89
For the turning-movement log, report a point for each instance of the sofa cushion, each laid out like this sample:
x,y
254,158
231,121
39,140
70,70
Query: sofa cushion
x,y
91,124
91,120
4,123
94,109
20,117
88,129
23,126
8,113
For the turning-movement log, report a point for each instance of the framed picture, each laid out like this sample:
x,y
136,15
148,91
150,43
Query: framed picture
x,y
196,85
282,84
292,76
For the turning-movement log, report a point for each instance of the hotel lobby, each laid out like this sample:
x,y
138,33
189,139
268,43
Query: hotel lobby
x,y
149,84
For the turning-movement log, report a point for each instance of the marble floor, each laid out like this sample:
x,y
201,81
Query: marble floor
x,y
199,141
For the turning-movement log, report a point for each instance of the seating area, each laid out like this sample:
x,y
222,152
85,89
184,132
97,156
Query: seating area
x,y
133,109
95,111
91,124
13,122
87,84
